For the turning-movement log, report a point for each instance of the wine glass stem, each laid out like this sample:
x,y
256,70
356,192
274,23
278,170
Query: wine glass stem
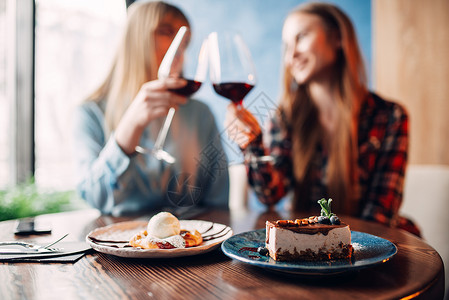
x,y
160,140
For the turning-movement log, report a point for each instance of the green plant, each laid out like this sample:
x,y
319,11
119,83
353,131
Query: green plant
x,y
27,200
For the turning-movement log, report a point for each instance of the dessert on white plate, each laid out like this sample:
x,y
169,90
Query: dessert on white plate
x,y
164,232
315,238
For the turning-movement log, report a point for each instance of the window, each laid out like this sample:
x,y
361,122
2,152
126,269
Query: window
x,y
75,42
4,104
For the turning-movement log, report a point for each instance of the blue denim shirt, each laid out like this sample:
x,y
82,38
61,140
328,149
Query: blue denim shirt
x,y
118,184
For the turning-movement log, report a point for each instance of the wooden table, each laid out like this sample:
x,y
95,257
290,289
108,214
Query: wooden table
x,y
415,272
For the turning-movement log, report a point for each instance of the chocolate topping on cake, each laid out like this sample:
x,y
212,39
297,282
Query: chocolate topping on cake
x,y
305,226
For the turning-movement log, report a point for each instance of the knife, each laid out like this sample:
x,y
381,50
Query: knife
x,y
9,251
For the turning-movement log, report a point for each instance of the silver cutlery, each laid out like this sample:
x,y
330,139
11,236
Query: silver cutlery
x,y
11,251
29,247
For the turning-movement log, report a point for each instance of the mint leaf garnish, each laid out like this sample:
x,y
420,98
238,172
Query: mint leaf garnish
x,y
325,207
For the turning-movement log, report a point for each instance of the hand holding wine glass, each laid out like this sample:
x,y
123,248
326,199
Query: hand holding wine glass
x,y
241,125
176,64
233,76
152,102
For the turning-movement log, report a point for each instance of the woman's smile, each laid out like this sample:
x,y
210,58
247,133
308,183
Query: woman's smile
x,y
310,50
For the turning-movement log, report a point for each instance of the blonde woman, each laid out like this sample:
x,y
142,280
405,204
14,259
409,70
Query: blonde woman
x,y
331,138
128,110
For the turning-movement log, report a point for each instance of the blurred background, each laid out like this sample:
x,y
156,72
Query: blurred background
x,y
53,53
75,42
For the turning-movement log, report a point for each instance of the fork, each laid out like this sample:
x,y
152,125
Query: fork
x,y
35,247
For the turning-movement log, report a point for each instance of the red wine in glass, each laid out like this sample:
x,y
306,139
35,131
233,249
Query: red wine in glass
x,y
234,91
232,71
173,65
189,89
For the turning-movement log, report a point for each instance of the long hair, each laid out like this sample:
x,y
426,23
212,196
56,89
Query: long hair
x,y
135,60
301,116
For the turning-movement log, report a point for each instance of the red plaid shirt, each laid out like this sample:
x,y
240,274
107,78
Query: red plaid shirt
x,y
383,145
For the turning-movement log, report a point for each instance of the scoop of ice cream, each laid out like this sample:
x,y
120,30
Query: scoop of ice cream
x,y
163,225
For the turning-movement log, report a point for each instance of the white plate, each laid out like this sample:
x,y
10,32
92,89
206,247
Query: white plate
x,y
113,239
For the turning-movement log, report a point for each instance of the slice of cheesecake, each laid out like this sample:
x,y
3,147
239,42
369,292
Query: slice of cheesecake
x,y
307,239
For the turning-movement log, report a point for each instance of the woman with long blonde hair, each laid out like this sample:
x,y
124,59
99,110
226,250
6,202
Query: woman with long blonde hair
x,y
128,109
331,137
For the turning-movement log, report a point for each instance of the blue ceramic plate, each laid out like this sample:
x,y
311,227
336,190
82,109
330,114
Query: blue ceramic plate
x,y
369,250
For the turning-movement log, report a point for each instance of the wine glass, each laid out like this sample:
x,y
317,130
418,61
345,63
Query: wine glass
x,y
232,72
179,61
